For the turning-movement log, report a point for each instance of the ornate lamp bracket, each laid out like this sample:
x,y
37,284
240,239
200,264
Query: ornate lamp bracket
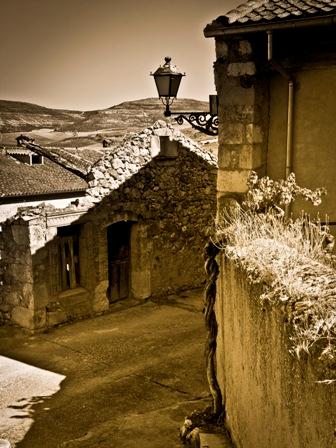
x,y
202,121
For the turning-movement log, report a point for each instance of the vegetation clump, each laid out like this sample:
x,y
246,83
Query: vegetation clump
x,y
291,258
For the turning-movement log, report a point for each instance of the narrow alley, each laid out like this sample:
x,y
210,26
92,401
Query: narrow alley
x,y
125,379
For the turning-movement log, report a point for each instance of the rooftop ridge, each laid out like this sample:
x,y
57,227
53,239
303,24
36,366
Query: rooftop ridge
x,y
261,12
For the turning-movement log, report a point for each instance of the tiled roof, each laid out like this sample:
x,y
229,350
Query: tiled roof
x,y
80,161
256,12
62,157
17,150
20,179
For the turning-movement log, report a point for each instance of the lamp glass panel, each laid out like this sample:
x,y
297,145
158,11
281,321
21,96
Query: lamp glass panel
x,y
175,84
162,85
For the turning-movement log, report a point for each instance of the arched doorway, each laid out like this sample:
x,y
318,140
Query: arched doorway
x,y
119,253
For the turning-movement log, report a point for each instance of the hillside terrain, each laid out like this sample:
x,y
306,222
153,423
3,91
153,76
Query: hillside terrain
x,y
77,129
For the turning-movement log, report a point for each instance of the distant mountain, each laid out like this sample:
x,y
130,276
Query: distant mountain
x,y
77,129
18,116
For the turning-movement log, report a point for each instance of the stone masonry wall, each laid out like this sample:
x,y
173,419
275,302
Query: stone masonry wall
x,y
160,181
272,399
174,197
28,264
176,201
16,288
243,117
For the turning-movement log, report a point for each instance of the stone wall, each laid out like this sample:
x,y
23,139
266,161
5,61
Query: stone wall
x,y
272,399
253,110
160,182
176,201
16,274
314,160
171,196
27,294
243,100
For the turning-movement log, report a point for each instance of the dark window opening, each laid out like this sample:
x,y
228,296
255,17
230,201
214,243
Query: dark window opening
x,y
36,159
69,256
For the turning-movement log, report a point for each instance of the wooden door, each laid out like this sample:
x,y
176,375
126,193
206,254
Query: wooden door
x,y
118,238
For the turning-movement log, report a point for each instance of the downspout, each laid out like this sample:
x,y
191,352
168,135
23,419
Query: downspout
x,y
290,106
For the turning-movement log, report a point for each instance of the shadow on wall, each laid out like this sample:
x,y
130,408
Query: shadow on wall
x,y
82,260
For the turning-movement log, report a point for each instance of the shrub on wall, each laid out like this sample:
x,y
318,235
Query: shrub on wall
x,y
291,258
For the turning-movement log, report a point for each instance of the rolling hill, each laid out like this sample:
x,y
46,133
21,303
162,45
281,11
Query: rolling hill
x,y
71,128
18,116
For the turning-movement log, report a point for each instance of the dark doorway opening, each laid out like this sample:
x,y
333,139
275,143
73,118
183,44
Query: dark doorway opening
x,y
118,240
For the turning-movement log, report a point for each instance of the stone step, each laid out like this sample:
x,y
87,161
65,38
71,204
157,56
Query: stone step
x,y
212,440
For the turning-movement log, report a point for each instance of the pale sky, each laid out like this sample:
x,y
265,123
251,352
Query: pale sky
x,y
92,54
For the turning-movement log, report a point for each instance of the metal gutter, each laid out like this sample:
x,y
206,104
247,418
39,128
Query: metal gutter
x,y
290,127
212,30
290,104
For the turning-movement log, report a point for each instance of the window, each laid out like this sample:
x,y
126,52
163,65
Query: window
x,y
36,159
68,243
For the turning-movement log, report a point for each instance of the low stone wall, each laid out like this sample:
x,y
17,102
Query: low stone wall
x,y
272,399
16,274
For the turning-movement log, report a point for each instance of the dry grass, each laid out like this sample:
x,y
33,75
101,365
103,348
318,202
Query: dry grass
x,y
292,261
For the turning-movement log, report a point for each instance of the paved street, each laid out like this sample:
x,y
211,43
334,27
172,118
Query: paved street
x,y
123,380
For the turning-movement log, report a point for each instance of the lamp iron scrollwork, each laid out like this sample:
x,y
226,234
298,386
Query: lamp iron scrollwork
x,y
167,79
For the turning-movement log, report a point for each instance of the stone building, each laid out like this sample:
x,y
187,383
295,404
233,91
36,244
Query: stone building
x,y
275,74
138,232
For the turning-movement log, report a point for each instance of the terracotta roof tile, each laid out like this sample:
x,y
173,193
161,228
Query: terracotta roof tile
x,y
78,161
265,11
21,179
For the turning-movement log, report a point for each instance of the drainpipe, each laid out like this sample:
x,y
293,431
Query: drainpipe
x,y
290,107
290,122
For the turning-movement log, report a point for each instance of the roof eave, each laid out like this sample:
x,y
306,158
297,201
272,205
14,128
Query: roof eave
x,y
44,194
216,29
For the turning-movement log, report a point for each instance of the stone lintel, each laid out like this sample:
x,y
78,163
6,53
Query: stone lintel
x,y
64,219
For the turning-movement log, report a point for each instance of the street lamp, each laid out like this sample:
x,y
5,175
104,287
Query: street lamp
x,y
167,79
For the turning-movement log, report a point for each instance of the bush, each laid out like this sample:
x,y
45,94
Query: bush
x,y
291,258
